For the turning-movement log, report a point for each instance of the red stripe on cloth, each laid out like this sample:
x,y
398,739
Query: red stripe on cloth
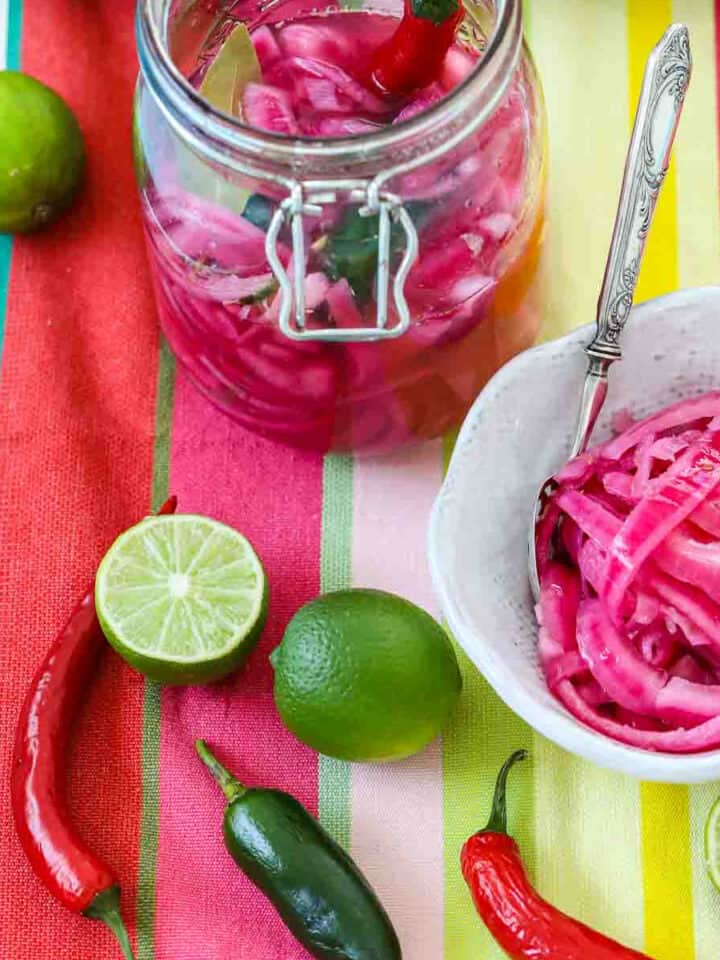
x,y
76,436
205,907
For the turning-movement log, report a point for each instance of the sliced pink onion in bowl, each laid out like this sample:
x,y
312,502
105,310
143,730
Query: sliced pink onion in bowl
x,y
629,562
657,644
614,662
558,607
705,736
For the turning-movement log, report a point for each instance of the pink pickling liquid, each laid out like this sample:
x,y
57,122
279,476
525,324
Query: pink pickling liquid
x,y
478,212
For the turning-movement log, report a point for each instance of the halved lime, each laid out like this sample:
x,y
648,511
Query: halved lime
x,y
712,843
182,598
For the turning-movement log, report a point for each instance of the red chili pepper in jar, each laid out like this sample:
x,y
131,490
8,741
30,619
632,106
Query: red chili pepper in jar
x,y
412,57
72,873
524,925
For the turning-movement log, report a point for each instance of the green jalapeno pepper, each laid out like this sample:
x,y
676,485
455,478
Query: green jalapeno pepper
x,y
319,892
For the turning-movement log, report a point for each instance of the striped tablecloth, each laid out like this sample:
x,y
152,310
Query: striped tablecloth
x,y
95,423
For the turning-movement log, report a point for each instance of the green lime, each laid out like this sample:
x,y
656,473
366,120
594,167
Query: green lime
x,y
712,843
182,598
42,155
365,675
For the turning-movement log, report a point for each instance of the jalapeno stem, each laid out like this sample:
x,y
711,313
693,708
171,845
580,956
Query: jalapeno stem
x,y
231,787
498,815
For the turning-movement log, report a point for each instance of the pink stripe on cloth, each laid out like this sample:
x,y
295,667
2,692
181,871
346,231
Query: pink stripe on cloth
x,y
206,909
397,808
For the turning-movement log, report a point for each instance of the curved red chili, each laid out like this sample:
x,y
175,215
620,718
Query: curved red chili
x,y
72,873
524,925
412,57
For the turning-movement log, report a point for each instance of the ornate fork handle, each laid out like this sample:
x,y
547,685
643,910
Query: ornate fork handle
x,y
665,83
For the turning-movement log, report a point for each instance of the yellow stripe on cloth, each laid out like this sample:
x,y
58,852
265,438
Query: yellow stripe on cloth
x,y
667,875
665,814
646,24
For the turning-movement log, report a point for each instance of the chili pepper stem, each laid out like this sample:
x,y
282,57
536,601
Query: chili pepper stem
x,y
498,815
231,787
106,908
170,506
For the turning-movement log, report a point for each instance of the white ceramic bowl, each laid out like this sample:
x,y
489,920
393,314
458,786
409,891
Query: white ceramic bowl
x,y
516,434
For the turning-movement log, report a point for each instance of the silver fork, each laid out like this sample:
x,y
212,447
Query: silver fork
x,y
667,74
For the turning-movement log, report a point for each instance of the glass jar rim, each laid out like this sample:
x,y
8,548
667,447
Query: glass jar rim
x,y
477,95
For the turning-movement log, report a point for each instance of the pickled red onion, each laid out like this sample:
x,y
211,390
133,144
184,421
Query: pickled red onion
x,y
629,562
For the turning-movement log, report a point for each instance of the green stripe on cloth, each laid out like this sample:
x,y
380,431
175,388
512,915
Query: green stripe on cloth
x,y
149,817
337,520
336,574
527,12
163,426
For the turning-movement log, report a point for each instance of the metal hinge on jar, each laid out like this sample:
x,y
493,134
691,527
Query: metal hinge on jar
x,y
308,200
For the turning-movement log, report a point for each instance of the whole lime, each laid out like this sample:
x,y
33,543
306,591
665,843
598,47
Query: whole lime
x,y
42,155
365,675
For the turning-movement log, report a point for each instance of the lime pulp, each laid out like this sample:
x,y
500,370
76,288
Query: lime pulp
x,y
182,598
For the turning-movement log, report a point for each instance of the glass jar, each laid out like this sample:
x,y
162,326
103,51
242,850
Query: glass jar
x,y
346,293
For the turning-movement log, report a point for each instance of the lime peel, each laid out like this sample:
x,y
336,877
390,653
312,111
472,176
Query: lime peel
x,y
365,675
42,154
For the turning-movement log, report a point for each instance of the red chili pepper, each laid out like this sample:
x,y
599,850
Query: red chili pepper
x,y
68,868
412,57
524,925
